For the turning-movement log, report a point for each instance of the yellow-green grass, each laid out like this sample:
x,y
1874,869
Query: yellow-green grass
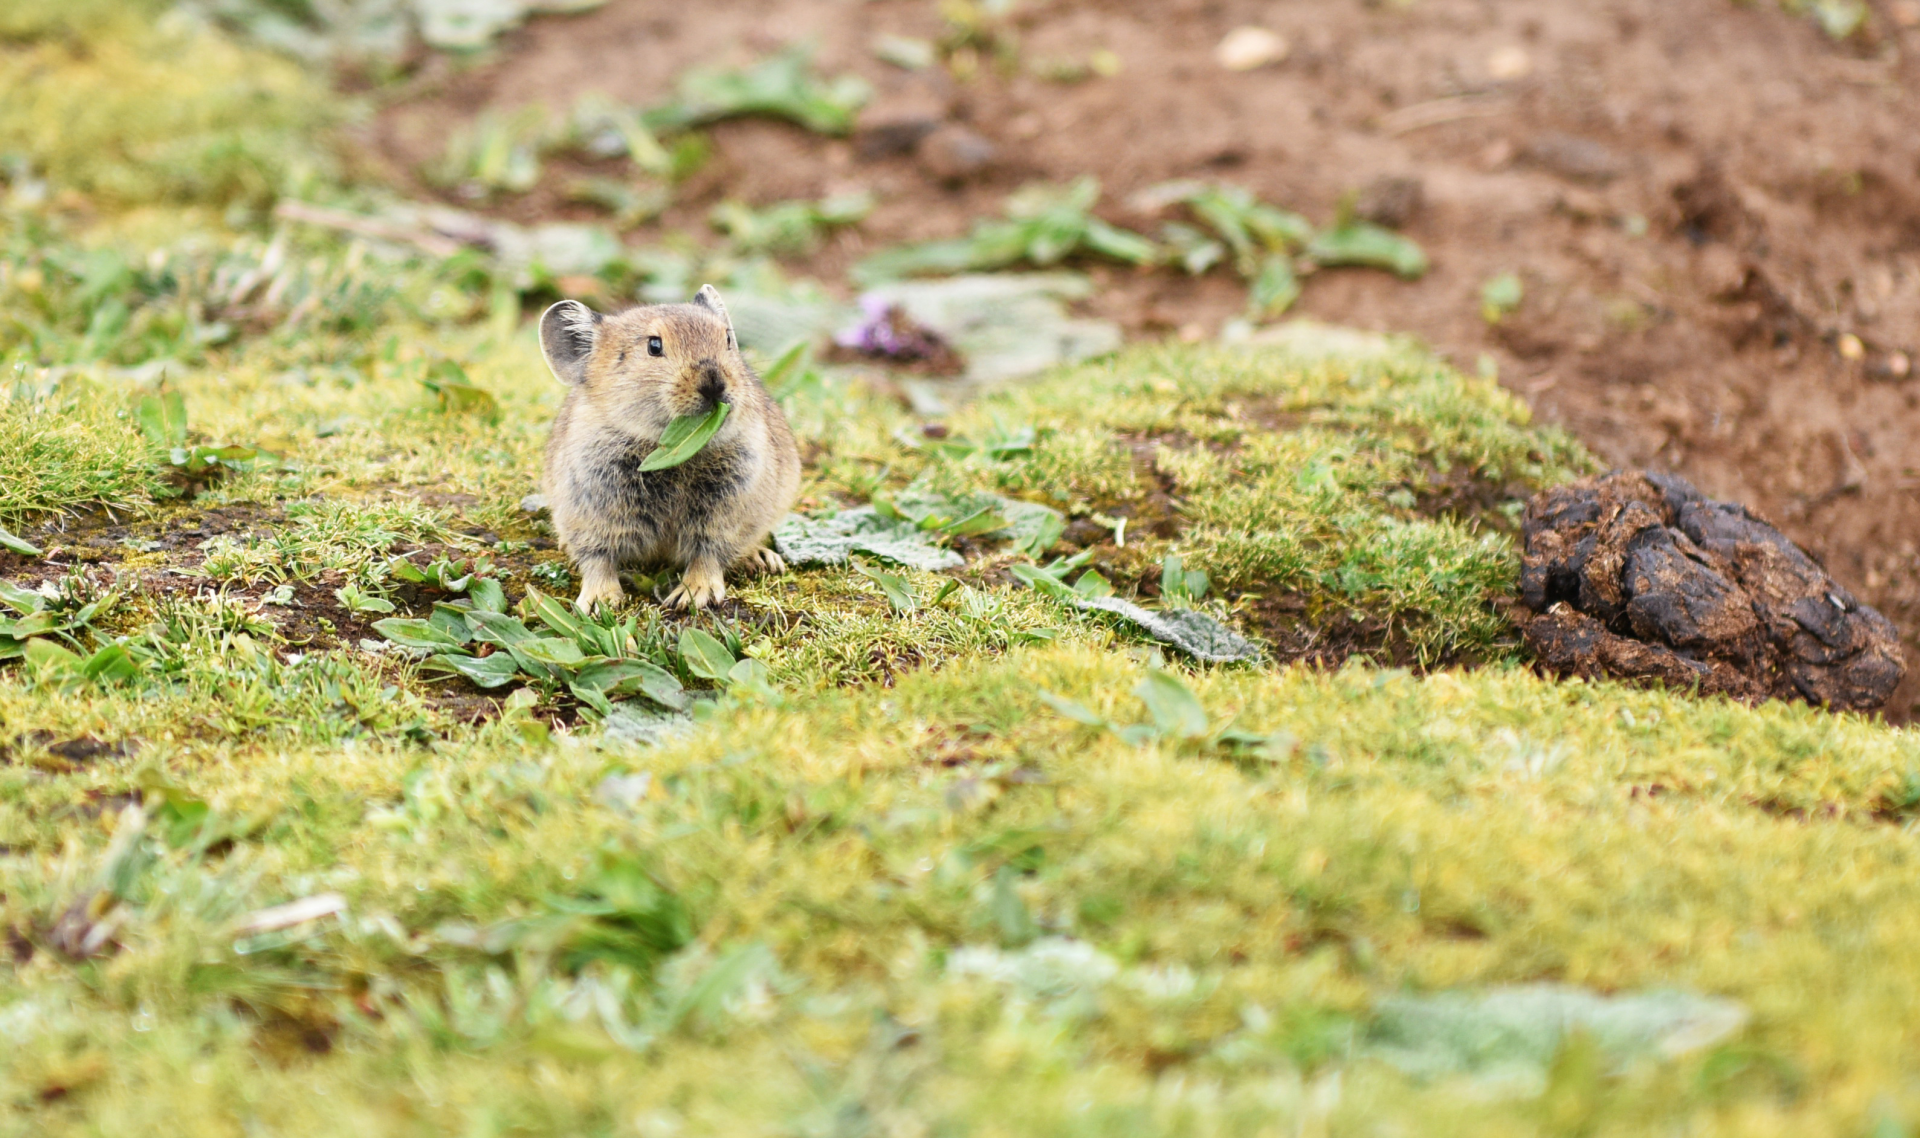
x,y
127,102
1462,830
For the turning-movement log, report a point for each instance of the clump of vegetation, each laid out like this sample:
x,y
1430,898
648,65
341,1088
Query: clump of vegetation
x,y
1044,226
62,446
118,103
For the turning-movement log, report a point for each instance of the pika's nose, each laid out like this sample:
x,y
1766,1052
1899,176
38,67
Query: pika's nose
x,y
713,384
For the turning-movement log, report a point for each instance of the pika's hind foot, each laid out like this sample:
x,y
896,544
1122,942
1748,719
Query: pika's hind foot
x,y
599,585
701,585
763,560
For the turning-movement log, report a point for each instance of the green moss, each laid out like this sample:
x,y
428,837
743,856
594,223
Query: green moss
x,y
105,99
1461,830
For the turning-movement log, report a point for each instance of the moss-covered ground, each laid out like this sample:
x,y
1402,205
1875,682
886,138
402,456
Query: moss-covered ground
x,y
892,884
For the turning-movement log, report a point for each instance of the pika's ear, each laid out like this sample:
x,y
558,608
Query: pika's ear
x,y
567,335
709,298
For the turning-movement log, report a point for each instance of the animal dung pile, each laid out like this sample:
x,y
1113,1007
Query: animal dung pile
x,y
1640,576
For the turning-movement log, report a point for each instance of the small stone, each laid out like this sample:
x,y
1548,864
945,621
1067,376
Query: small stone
x,y
1576,159
898,121
955,153
1391,202
1509,63
535,504
1251,48
1850,347
1899,365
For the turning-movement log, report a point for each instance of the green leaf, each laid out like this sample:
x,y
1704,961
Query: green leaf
x,y
1092,584
452,621
556,615
1077,712
23,601
1176,710
497,670
1369,246
497,628
750,674
791,364
11,649
592,698
1120,244
111,664
619,678
1043,582
1275,287
684,437
43,653
1500,296
553,652
18,544
487,595
410,633
1173,580
705,656
899,591
1010,913
162,418
457,393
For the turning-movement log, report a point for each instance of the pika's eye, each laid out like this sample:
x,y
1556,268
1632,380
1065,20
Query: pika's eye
x,y
655,346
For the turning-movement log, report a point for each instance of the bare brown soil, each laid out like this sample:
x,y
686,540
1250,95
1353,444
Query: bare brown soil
x,y
1713,208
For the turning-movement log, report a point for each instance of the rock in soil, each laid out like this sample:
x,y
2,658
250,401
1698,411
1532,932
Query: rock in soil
x,y
1640,576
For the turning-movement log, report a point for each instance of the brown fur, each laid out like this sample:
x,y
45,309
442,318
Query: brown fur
x,y
712,513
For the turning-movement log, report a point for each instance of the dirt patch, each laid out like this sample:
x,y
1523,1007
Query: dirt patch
x,y
1709,204
1644,578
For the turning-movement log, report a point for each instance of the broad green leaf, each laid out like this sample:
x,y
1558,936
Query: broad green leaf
x,y
556,615
1092,584
18,544
23,601
497,628
684,437
487,595
42,653
705,656
618,678
497,670
1369,246
899,591
162,418
410,633
111,664
1275,287
1175,709
750,675
38,624
553,652
451,621
1120,244
11,649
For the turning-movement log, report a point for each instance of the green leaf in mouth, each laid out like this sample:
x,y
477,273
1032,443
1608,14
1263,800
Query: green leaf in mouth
x,y
684,437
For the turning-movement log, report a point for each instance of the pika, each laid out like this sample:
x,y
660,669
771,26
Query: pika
x,y
628,376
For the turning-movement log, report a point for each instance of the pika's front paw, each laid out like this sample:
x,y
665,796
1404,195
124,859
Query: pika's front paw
x,y
699,587
763,560
604,591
